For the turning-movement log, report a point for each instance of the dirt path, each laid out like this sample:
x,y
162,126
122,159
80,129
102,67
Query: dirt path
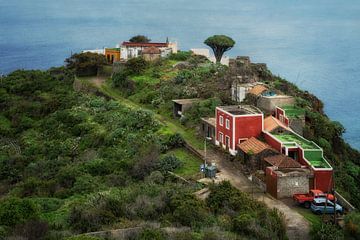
x,y
297,226
97,81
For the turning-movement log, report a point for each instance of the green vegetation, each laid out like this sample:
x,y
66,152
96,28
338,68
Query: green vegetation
x,y
139,39
85,64
73,162
292,111
190,163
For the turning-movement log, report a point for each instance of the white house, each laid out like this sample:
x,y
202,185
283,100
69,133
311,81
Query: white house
x,y
132,50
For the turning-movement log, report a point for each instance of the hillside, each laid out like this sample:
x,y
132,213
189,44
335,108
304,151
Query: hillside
x,y
193,77
73,162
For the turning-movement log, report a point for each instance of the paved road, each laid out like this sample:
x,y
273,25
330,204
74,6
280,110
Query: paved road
x,y
297,226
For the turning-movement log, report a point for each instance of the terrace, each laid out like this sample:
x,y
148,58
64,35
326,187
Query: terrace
x,y
312,152
240,109
292,111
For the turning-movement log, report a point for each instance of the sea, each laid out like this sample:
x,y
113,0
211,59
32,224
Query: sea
x,y
312,43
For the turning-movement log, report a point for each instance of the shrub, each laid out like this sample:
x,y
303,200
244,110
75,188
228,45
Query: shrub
x,y
180,56
171,141
86,219
187,210
16,211
136,65
83,237
145,163
151,234
32,230
85,64
352,225
168,163
326,231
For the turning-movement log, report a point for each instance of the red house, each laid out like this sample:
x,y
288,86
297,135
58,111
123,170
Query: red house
x,y
235,124
306,152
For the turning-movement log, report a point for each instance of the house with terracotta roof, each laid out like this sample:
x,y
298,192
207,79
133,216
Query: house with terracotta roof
x,y
306,152
280,161
252,151
258,90
133,50
151,54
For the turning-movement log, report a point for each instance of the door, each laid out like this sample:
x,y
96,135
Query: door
x,y
227,142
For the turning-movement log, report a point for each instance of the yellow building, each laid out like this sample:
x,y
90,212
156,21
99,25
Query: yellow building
x,y
112,54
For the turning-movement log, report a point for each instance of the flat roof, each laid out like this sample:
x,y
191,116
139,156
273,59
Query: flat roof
x,y
312,153
211,121
292,111
240,109
186,101
288,137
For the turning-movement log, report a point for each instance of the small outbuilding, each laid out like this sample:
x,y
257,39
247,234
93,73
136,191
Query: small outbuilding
x,y
269,102
285,182
208,126
182,105
151,54
252,151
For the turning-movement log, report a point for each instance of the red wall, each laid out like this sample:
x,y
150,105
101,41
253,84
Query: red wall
x,y
248,126
222,129
323,180
281,112
275,144
271,182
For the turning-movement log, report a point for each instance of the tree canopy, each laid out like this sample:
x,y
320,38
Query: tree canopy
x,y
219,44
139,39
85,64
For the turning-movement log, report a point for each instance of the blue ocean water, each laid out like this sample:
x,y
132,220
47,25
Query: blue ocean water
x,y
315,44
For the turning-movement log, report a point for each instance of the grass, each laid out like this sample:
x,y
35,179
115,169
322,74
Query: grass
x,y
169,125
313,219
190,162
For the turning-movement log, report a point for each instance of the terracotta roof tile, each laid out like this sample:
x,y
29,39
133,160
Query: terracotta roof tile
x,y
258,89
151,50
271,123
131,44
282,161
253,145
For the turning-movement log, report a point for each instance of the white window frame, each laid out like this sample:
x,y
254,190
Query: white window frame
x,y
281,118
227,123
221,120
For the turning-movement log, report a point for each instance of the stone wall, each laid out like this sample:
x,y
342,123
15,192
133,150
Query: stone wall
x,y
292,182
269,104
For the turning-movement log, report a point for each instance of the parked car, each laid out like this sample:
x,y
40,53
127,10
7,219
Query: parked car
x,y
321,205
306,199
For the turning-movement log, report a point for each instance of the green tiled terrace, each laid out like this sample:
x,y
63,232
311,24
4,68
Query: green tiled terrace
x,y
316,159
290,138
293,111
311,152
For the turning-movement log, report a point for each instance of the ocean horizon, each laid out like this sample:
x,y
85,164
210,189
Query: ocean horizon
x,y
314,44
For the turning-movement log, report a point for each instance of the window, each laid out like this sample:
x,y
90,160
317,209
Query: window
x,y
221,137
227,123
221,119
